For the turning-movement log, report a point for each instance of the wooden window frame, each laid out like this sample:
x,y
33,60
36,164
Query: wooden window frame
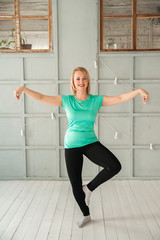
x,y
17,18
134,17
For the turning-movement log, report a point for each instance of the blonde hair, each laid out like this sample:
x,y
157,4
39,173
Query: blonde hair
x,y
84,71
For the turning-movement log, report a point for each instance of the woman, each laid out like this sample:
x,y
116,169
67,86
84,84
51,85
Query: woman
x,y
80,139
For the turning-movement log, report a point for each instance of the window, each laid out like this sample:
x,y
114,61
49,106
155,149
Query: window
x,y
129,25
26,26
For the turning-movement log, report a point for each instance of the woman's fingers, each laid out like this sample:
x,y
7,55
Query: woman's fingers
x,y
17,94
144,95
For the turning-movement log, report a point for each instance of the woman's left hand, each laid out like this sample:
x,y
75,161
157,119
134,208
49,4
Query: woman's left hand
x,y
144,95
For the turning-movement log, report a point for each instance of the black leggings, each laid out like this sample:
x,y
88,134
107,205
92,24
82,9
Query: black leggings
x,y
99,155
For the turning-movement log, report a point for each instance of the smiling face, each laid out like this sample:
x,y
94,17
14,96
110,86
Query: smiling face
x,y
80,81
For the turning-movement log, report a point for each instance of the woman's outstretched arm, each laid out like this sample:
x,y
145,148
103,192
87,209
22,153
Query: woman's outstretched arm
x,y
113,100
51,100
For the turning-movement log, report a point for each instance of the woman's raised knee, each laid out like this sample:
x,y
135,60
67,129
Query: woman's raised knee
x,y
116,169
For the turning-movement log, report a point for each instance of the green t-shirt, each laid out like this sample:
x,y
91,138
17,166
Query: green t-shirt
x,y
81,116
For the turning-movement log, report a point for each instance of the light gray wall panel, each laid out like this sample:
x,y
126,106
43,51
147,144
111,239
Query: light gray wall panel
x,y
10,131
9,68
153,105
39,68
147,67
111,67
8,104
77,35
146,163
108,129
33,106
40,131
11,164
146,130
113,90
41,163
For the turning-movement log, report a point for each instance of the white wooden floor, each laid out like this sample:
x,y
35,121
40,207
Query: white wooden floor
x,y
40,210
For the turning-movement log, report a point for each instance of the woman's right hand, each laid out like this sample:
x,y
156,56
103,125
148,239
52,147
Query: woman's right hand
x,y
18,92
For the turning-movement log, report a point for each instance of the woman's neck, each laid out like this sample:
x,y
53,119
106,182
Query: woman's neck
x,y
81,96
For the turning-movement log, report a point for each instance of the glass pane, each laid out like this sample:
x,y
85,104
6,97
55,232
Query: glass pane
x,y
148,6
7,36
148,33
7,7
117,7
35,32
117,33
34,7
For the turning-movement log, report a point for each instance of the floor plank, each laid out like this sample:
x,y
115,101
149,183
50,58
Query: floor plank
x,y
12,210
141,228
10,195
108,212
119,219
146,211
49,214
98,217
12,227
36,190
55,229
47,210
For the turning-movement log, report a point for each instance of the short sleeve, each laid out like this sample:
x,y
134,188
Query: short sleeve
x,y
64,100
99,100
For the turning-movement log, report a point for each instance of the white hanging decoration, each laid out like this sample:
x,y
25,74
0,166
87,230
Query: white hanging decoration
x,y
116,135
151,146
115,81
22,132
52,116
95,64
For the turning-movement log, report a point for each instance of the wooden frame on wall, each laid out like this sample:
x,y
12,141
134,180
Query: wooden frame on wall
x,y
17,18
134,16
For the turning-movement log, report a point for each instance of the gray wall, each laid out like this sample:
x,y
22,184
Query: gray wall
x,y
39,153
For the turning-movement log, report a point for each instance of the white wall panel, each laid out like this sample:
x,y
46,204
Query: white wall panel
x,y
12,164
111,67
39,68
153,105
40,131
147,130
108,127
10,131
147,67
146,163
8,103
9,68
41,163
